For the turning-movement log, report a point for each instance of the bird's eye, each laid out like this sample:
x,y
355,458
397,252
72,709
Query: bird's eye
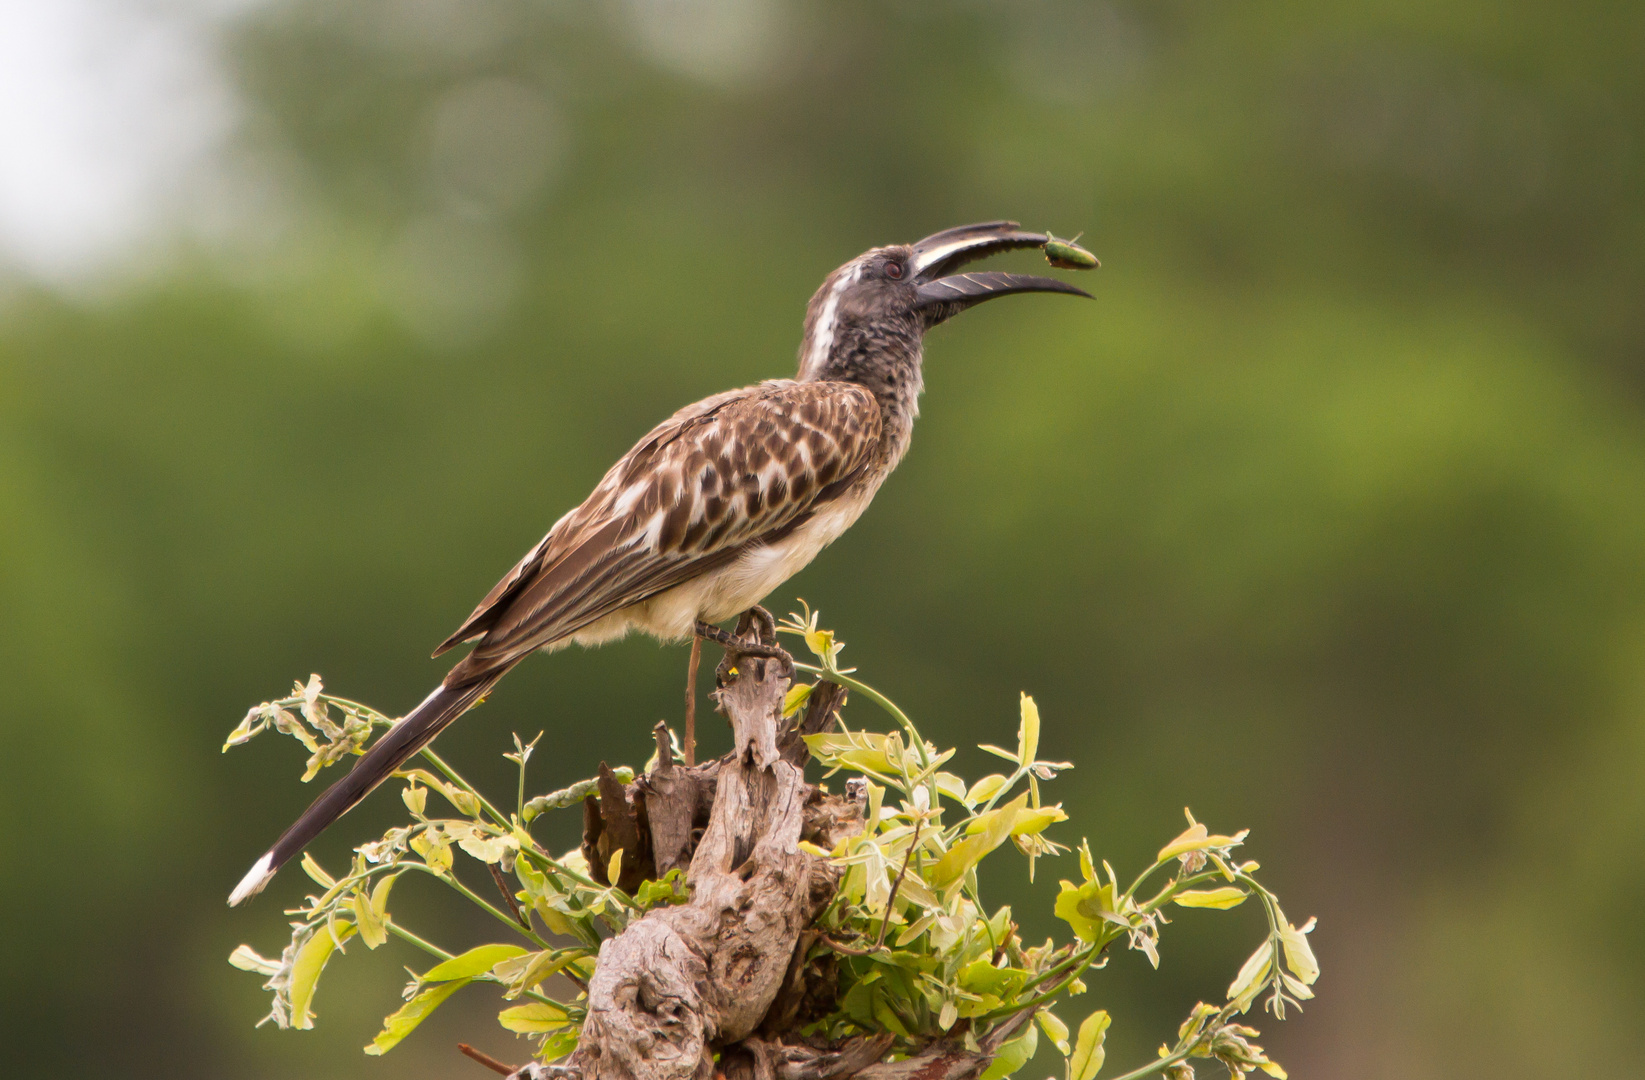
x,y
893,270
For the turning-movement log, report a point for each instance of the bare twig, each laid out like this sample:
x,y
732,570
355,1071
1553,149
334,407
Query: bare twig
x,y
513,904
487,1060
913,845
844,949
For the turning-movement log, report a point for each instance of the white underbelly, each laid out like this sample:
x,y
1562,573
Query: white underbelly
x,y
732,589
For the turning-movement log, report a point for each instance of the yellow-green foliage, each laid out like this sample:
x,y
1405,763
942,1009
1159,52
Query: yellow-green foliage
x,y
920,955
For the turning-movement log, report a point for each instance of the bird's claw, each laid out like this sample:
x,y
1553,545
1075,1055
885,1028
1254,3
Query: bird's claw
x,y
762,646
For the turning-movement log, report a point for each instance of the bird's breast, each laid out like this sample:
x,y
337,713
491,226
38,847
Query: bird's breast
x,y
763,567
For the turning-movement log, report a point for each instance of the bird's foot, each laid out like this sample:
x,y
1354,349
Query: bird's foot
x,y
757,617
760,645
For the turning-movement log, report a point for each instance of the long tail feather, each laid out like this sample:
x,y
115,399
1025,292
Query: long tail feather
x,y
391,751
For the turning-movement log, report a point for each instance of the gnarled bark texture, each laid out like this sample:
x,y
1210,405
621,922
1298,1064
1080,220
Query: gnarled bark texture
x,y
683,980
726,973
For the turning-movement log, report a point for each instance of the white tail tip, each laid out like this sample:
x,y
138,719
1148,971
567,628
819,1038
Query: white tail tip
x,y
253,882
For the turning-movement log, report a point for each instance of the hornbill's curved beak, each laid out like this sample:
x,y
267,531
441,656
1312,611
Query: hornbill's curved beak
x,y
943,294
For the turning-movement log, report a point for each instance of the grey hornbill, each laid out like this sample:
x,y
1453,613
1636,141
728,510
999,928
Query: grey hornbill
x,y
720,503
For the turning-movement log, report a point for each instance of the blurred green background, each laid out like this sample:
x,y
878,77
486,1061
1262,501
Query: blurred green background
x,y
1327,518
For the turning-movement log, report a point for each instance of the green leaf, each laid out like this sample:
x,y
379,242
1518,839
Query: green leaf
x,y
461,800
820,642
795,698
379,896
992,829
1032,822
1222,899
887,1016
1028,733
974,1005
415,798
246,958
372,930
1194,838
535,1018
1249,982
671,888
858,1001
984,789
1087,907
1013,1055
1197,838
313,870
558,1045
951,785
863,751
870,760
1000,925
434,850
423,776
478,842
1027,822
1055,1028
476,961
521,973
556,917
1086,1060
544,900
982,977
916,928
405,1020
305,971
917,892
1299,956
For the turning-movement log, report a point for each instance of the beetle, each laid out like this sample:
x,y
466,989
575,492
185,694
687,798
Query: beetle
x,y
1068,255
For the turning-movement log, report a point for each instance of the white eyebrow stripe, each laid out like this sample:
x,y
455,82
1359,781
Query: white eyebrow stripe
x,y
822,340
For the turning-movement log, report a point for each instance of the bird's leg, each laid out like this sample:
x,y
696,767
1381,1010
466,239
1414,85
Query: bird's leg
x,y
690,747
741,646
736,645
767,623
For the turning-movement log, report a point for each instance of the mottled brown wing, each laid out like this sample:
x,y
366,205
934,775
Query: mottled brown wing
x,y
738,469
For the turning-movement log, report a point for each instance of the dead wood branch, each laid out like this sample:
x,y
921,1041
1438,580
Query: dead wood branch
x,y
683,981
731,971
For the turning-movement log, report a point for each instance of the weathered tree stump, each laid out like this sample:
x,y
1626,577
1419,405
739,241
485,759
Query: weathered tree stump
x,y
730,973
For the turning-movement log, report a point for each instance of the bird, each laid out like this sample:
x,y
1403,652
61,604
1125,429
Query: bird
x,y
717,505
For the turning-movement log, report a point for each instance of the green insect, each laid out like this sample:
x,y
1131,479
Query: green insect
x,y
1068,255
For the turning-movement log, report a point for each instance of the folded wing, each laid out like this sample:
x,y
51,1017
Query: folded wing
x,y
740,469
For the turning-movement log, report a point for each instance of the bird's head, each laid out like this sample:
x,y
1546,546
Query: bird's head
x,y
874,310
